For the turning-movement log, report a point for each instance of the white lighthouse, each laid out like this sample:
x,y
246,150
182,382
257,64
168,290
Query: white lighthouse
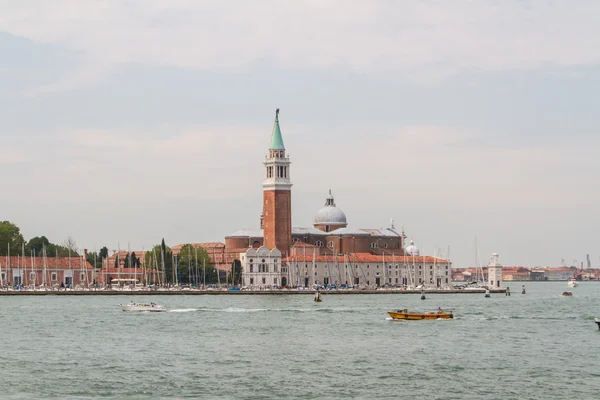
x,y
494,273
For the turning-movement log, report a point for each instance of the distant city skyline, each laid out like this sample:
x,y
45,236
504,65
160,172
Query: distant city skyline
x,y
127,122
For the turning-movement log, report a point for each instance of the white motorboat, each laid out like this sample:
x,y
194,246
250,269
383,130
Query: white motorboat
x,y
572,283
138,307
597,322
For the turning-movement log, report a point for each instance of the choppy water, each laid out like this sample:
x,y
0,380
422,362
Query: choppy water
x,y
536,346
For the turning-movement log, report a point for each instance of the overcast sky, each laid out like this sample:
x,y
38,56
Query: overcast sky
x,y
123,122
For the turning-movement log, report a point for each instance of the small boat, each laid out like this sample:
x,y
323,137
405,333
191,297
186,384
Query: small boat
x,y
572,283
404,314
567,294
597,320
138,307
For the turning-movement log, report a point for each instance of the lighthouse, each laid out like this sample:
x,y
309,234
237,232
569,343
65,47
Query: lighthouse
x,y
494,272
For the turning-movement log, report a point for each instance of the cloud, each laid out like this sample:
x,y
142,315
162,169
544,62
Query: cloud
x,y
424,38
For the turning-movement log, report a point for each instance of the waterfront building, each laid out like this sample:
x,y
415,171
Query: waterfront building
x,y
262,267
46,271
516,274
559,274
329,252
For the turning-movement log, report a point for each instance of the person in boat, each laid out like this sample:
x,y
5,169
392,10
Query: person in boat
x,y
439,310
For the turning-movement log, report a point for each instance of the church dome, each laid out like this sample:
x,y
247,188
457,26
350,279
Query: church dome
x,y
330,214
411,249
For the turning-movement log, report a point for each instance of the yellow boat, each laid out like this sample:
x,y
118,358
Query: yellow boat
x,y
404,314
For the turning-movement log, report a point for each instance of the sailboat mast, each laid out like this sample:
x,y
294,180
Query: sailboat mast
x,y
32,260
313,265
196,262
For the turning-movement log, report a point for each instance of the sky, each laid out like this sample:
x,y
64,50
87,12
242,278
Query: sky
x,y
473,124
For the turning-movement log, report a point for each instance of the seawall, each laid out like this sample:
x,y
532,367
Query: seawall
x,y
231,292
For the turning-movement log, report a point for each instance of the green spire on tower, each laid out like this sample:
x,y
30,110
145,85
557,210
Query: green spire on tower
x,y
276,139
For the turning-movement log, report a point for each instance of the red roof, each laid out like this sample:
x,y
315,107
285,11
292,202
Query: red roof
x,y
366,257
38,262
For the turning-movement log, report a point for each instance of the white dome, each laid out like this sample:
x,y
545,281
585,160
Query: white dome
x,y
330,214
411,249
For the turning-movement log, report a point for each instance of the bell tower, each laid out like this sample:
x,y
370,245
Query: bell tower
x,y
277,195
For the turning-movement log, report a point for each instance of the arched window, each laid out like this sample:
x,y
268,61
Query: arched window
x,y
331,245
319,243
385,245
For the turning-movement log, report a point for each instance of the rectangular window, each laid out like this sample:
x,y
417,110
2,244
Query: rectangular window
x,y
82,277
32,276
252,281
3,276
54,276
264,280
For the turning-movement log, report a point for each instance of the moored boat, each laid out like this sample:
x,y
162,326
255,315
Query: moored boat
x,y
138,307
405,314
572,283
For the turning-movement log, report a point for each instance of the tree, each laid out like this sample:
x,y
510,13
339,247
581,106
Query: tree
x,y
10,235
190,262
71,246
97,259
235,276
154,260
126,261
36,245
56,250
135,262
103,253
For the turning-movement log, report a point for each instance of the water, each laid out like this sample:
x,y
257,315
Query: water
x,y
537,346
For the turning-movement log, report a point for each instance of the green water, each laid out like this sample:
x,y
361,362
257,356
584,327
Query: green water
x,y
535,346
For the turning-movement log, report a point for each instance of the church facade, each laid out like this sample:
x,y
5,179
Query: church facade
x,y
329,253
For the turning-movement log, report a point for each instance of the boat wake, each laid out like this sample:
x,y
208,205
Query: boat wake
x,y
286,310
185,310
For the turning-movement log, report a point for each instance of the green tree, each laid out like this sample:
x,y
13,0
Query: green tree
x,y
126,261
103,253
235,276
135,262
190,262
36,245
56,250
154,260
10,235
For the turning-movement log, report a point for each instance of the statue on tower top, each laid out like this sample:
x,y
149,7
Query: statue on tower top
x,y
277,113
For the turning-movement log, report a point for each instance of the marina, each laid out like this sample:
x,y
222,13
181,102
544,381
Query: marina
x,y
226,292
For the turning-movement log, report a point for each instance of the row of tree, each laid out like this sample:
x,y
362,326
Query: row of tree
x,y
12,240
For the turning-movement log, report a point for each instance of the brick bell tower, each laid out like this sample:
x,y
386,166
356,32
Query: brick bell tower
x,y
276,219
